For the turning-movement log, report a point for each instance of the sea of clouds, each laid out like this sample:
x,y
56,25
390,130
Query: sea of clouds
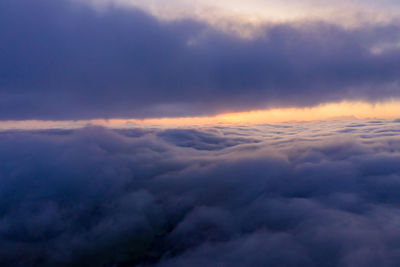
x,y
294,194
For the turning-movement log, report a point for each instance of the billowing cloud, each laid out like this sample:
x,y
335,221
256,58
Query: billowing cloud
x,y
303,194
65,60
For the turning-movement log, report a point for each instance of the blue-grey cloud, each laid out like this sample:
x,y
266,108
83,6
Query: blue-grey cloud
x,y
304,194
64,60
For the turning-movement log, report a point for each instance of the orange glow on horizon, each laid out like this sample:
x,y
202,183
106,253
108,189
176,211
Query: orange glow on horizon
x,y
342,110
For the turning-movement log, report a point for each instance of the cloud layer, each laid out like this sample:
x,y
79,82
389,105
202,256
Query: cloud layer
x,y
271,195
65,60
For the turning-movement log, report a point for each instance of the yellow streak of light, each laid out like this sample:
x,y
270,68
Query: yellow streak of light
x,y
342,110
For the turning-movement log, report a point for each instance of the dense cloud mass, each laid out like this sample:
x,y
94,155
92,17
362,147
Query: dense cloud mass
x,y
316,194
65,60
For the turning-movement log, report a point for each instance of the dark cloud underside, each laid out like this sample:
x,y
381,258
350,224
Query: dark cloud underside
x,y
64,60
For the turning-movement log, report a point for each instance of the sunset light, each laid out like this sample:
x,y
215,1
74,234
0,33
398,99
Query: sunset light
x,y
333,111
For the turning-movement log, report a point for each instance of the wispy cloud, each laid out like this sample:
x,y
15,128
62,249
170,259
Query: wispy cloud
x,y
350,13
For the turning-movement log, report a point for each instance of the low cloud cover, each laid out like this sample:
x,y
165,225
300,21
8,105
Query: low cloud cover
x,y
316,194
65,60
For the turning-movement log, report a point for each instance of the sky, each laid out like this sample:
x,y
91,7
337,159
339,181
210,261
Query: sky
x,y
347,13
200,133
120,59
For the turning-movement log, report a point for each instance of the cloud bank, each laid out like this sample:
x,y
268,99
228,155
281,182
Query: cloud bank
x,y
268,195
65,60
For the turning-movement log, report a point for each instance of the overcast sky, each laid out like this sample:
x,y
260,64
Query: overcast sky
x,y
73,59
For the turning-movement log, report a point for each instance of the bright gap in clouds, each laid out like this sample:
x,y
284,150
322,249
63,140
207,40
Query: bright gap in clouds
x,y
331,111
344,12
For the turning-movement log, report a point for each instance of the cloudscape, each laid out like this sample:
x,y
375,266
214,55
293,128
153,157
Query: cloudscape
x,y
199,133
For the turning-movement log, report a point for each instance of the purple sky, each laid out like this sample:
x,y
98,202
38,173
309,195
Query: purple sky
x,y
78,60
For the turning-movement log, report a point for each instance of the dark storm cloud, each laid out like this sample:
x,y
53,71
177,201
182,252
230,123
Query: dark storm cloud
x,y
63,60
97,197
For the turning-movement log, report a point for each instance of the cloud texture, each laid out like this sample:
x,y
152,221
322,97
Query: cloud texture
x,y
64,60
271,195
